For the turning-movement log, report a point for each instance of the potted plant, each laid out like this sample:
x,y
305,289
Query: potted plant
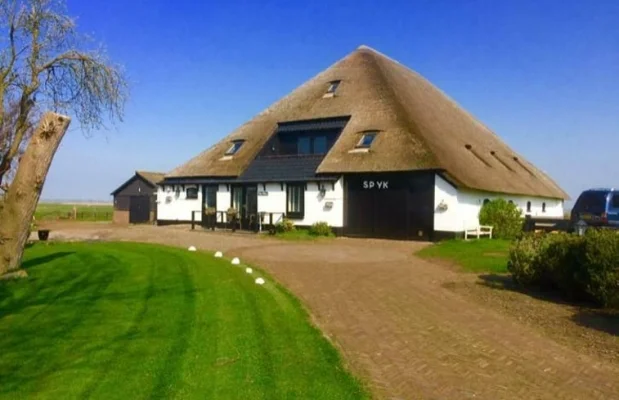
x,y
232,215
43,234
210,213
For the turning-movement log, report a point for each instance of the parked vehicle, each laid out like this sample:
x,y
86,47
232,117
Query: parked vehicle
x,y
597,207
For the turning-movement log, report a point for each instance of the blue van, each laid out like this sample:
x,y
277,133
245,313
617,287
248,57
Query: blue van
x,y
597,207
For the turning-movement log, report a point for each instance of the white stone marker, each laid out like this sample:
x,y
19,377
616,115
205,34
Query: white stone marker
x,y
219,254
236,261
259,281
248,270
191,248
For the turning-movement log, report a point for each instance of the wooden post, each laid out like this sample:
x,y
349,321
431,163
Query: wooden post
x,y
193,220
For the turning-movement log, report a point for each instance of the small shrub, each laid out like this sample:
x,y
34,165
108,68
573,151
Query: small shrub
x,y
284,225
320,229
522,261
505,217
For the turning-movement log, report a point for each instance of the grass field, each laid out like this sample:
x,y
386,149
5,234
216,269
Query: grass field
x,y
484,255
124,320
84,212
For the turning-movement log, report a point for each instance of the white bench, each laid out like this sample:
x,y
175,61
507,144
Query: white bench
x,y
480,230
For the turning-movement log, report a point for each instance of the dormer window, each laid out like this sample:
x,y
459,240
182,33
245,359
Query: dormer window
x,y
236,145
333,87
367,139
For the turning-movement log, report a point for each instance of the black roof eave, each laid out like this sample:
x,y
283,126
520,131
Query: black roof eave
x,y
211,181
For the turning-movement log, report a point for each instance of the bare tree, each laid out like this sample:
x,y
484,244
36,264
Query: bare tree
x,y
45,65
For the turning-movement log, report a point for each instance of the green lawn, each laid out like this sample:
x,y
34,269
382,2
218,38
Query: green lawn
x,y
128,321
85,212
483,255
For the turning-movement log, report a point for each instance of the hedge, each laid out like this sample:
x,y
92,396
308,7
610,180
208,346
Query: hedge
x,y
580,267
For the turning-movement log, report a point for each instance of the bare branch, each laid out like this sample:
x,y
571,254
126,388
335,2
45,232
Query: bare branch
x,y
47,65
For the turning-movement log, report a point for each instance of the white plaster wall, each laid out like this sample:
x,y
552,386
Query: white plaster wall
x,y
173,208
445,193
315,204
274,201
223,201
316,209
463,209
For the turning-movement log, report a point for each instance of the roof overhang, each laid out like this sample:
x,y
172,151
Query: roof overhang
x,y
128,181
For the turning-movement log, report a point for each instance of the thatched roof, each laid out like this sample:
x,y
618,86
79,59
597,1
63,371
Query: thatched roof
x,y
152,177
419,127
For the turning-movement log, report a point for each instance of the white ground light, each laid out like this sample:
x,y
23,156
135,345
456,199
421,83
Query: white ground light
x,y
259,281
236,261
248,270
219,254
191,248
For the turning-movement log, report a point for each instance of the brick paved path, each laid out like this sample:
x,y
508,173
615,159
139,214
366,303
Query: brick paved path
x,y
401,329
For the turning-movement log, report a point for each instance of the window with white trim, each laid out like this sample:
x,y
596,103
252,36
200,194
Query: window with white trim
x,y
333,85
234,148
367,139
295,200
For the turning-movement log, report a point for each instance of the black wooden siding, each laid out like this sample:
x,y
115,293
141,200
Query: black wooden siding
x,y
137,186
403,210
284,169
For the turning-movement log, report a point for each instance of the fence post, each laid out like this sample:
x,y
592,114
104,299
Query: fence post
x,y
193,220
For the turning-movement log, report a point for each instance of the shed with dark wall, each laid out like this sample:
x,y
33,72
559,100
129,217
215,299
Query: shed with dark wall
x,y
135,201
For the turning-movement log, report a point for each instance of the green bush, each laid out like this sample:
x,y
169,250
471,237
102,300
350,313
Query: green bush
x,y
601,257
560,266
505,217
320,229
284,225
581,268
522,262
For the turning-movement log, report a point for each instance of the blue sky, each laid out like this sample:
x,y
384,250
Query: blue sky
x,y
543,74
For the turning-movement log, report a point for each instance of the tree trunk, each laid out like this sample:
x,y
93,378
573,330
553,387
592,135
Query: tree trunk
x,y
20,201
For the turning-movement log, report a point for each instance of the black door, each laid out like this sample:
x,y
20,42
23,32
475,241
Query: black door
x,y
209,200
397,206
251,208
139,209
359,210
245,199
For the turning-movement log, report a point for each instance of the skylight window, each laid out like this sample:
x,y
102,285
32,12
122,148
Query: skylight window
x,y
367,139
333,87
236,145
